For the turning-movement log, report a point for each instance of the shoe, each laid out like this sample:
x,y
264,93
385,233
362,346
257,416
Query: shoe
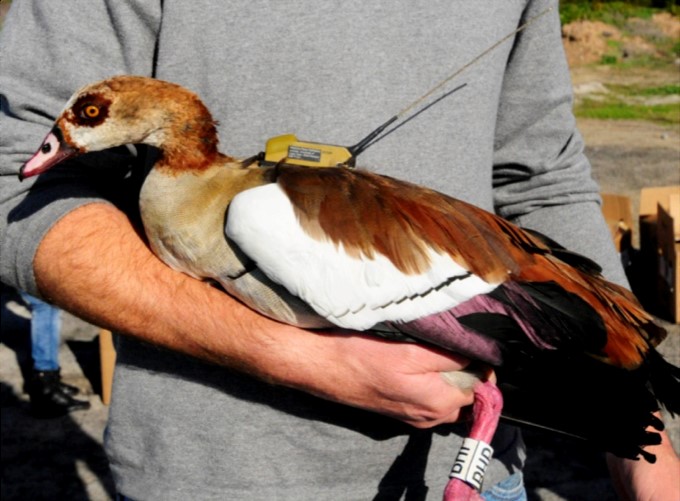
x,y
48,398
70,390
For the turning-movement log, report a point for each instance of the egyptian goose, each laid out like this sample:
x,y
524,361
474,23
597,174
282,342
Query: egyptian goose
x,y
348,248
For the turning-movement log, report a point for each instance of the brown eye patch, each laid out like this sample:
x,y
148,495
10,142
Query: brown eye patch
x,y
90,110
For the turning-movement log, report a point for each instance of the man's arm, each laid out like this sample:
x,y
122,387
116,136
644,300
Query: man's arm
x,y
94,264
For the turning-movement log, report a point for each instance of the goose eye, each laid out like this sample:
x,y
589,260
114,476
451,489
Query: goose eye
x,y
90,111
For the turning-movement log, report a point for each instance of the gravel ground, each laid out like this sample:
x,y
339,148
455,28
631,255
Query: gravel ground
x,y
63,459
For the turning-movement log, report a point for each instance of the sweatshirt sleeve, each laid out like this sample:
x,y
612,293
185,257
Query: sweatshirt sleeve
x,y
542,178
51,49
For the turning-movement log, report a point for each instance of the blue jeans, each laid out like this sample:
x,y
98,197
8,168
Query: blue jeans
x,y
45,333
510,489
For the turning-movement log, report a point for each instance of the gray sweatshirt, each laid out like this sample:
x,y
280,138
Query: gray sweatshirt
x,y
327,71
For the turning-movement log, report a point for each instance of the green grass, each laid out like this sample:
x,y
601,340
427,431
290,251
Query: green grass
x,y
640,62
635,90
644,62
619,104
664,90
614,13
617,110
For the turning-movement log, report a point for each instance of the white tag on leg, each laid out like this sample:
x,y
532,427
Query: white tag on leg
x,y
470,466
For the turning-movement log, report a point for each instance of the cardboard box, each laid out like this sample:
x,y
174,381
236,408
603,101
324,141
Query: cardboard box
x,y
107,359
668,235
618,212
659,250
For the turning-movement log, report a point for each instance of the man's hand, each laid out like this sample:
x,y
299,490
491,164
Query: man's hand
x,y
642,481
401,380
94,264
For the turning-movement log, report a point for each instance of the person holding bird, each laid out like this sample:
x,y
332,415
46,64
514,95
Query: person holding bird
x,y
263,407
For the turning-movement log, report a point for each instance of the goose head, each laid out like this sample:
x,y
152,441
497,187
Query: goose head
x,y
130,110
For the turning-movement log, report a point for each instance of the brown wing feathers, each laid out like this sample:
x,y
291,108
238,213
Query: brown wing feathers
x,y
365,212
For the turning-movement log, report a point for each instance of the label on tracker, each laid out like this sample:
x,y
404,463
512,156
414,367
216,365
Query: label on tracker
x,y
473,458
301,153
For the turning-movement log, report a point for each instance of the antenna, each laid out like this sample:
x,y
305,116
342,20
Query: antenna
x,y
288,149
375,136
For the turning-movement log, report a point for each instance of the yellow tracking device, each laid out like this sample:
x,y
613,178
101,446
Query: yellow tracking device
x,y
288,149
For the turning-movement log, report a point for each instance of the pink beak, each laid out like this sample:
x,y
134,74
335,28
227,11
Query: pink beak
x,y
52,151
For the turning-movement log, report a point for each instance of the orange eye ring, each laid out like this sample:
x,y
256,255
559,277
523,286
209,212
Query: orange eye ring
x,y
91,111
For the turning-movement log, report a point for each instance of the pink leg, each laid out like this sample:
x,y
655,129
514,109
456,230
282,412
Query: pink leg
x,y
475,454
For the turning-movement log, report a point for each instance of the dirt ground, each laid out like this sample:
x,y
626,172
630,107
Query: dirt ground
x,y
62,459
585,42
